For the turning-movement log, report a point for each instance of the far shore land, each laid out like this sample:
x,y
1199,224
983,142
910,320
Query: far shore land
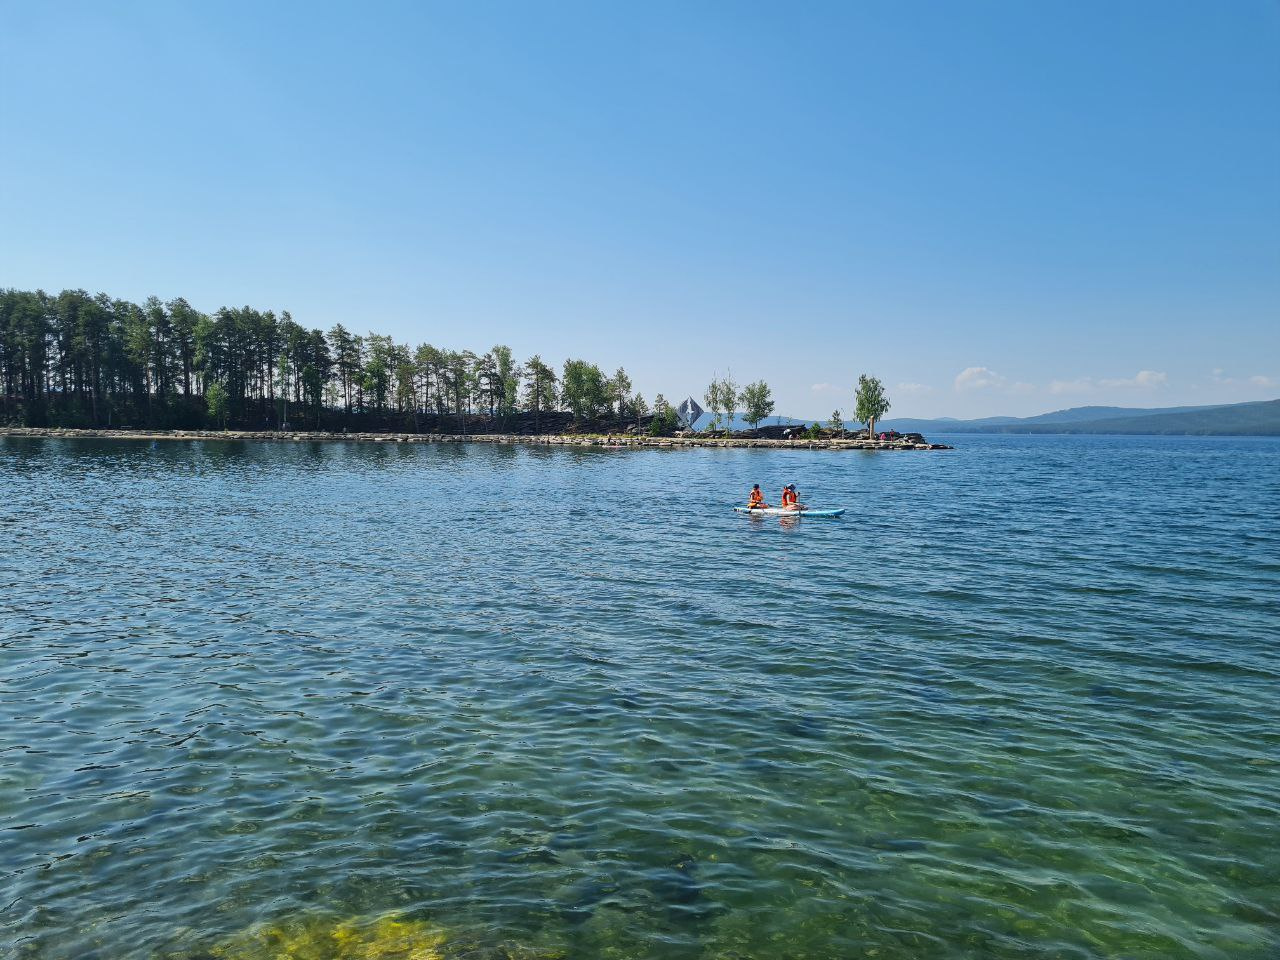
x,y
799,442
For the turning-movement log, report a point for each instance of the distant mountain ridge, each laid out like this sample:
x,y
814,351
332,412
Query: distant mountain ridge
x,y
1257,418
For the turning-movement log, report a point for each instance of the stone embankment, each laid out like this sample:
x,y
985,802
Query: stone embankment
x,y
558,440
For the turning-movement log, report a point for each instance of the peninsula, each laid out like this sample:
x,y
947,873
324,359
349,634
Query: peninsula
x,y
824,440
76,362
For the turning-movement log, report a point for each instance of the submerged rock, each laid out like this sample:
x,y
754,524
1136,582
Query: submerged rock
x,y
583,897
677,884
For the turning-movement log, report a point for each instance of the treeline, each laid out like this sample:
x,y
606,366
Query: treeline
x,y
77,360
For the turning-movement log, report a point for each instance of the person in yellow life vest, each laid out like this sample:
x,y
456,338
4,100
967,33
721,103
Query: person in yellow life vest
x,y
756,500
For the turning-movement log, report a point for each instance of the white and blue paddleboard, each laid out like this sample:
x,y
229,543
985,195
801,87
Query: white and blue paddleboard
x,y
779,512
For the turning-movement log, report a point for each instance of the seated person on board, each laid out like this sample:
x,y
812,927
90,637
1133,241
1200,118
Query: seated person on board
x,y
756,500
790,500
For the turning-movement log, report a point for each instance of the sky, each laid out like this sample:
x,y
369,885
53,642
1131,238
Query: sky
x,y
994,207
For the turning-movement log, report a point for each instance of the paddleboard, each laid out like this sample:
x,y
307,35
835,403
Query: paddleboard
x,y
779,512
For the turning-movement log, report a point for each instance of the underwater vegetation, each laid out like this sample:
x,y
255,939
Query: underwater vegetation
x,y
385,937
388,936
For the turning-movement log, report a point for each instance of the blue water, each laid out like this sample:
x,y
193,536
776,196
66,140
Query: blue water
x,y
342,700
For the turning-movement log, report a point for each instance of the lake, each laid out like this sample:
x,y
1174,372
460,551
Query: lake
x,y
343,700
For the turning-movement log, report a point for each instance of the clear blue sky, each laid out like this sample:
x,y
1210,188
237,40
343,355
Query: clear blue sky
x,y
997,207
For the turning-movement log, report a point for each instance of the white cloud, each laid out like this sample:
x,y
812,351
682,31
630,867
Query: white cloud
x,y
1079,385
984,378
914,388
827,388
1143,378
978,378
1257,380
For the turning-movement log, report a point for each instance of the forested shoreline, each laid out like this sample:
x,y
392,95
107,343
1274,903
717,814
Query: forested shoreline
x,y
92,361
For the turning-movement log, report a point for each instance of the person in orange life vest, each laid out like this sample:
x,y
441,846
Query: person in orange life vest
x,y
756,500
790,500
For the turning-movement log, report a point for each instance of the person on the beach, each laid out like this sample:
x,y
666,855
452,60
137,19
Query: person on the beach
x,y
756,500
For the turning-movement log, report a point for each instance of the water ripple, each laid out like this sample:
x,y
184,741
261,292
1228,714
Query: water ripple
x,y
1022,701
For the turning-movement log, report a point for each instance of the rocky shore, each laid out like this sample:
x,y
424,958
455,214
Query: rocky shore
x,y
557,440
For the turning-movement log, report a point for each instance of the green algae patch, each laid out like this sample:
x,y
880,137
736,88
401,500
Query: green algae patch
x,y
386,937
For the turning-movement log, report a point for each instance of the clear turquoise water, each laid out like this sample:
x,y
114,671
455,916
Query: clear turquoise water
x,y
1023,701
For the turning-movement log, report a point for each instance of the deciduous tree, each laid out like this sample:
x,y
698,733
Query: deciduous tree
x,y
216,398
871,402
583,389
757,403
